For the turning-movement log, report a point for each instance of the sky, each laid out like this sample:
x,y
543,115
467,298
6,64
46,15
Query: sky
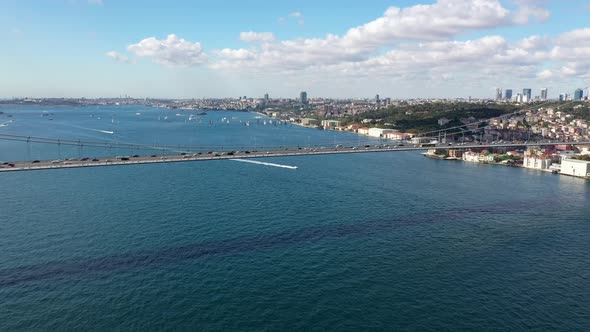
x,y
339,49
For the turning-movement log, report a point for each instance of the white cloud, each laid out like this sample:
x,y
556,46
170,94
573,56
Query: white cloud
x,y
534,43
96,2
441,20
172,51
252,36
240,54
531,8
117,56
545,74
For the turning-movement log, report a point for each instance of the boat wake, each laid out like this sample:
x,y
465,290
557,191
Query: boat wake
x,y
110,132
264,163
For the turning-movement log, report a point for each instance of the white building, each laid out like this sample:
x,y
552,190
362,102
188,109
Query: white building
x,y
330,124
310,122
536,162
575,167
379,132
398,136
363,131
471,156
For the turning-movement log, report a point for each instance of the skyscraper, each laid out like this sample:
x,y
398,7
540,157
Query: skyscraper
x,y
303,98
544,94
498,93
578,94
377,100
562,97
266,97
508,94
527,93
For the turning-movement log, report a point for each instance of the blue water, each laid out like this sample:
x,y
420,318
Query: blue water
x,y
154,127
380,241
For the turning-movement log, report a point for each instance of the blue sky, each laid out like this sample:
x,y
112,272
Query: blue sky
x,y
459,48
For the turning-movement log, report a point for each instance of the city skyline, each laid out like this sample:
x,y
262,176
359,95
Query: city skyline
x,y
82,48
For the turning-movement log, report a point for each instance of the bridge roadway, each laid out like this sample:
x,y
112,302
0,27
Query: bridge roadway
x,y
152,159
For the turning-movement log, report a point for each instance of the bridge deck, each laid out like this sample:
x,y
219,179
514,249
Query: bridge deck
x,y
113,161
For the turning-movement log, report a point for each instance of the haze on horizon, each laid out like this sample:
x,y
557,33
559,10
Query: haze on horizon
x,y
341,49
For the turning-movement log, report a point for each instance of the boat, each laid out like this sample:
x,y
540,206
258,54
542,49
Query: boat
x,y
202,113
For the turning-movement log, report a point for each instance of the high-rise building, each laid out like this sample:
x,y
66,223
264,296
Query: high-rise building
x,y
303,98
527,93
544,94
578,94
498,93
508,94
266,97
377,100
563,97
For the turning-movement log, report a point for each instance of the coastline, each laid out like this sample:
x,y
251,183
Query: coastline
x,y
437,157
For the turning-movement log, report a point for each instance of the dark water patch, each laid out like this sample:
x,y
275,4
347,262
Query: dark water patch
x,y
152,258
135,260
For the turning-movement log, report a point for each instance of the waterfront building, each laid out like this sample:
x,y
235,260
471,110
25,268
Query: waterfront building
x,y
536,162
455,153
471,156
419,140
379,132
310,122
330,124
544,94
575,167
508,94
363,131
398,136
303,98
578,94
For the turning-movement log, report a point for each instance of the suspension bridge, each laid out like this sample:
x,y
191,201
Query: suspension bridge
x,y
150,154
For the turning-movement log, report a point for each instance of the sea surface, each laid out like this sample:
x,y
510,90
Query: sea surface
x,y
375,241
